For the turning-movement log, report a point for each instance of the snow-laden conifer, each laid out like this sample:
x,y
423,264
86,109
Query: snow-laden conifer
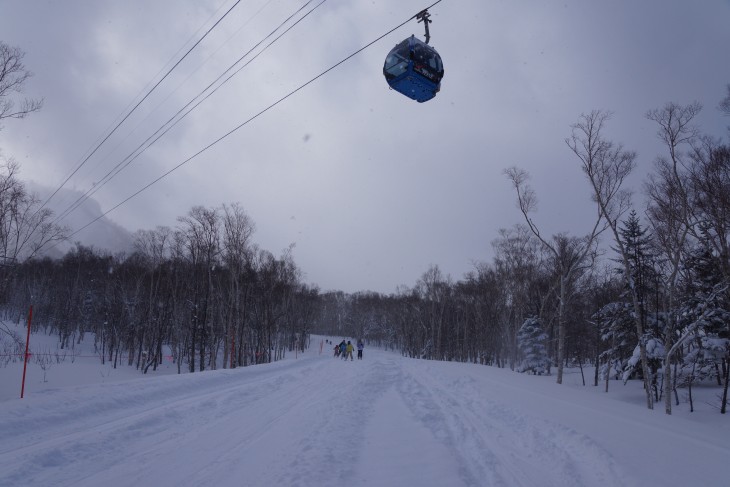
x,y
531,342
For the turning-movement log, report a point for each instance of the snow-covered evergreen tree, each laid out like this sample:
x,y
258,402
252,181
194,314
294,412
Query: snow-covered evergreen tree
x,y
622,352
704,316
618,334
642,288
641,257
531,342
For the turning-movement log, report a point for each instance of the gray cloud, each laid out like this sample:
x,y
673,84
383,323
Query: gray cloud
x,y
372,188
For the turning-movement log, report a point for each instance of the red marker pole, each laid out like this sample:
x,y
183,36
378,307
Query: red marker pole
x,y
25,360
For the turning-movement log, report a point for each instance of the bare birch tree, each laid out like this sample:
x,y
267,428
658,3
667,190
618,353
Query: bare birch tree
x,y
710,177
238,229
201,228
572,256
670,211
25,228
518,265
607,166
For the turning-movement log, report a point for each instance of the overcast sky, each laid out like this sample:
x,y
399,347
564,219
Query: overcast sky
x,y
372,187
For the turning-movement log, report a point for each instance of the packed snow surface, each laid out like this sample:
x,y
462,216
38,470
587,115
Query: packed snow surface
x,y
315,420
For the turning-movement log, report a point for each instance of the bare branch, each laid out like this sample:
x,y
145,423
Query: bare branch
x,y
526,199
724,105
13,76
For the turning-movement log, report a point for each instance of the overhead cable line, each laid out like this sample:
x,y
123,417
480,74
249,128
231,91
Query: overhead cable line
x,y
159,73
252,118
185,80
177,118
136,106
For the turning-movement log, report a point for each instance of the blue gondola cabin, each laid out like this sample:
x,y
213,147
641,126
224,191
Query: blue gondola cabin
x,y
414,69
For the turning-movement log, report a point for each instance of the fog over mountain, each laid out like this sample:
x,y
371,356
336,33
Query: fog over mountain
x,y
104,234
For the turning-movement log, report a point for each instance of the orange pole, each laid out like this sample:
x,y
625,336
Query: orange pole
x,y
25,360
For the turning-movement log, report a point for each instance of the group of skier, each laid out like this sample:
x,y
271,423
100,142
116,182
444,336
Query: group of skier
x,y
344,349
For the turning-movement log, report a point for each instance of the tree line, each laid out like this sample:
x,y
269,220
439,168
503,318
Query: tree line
x,y
201,291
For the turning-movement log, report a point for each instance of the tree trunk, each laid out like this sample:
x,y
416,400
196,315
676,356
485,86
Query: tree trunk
x,y
667,386
723,406
561,330
647,375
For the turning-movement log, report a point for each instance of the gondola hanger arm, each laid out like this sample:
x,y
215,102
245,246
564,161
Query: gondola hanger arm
x,y
424,16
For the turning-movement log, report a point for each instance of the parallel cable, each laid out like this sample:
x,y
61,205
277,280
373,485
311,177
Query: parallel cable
x,y
159,73
172,59
238,127
85,160
172,122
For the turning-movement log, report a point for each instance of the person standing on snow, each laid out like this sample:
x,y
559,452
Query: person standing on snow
x,y
360,346
343,349
349,349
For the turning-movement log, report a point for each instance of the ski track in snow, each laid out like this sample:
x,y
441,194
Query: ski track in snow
x,y
499,447
316,421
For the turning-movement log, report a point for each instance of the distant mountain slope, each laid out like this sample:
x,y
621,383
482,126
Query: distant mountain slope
x,y
104,234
